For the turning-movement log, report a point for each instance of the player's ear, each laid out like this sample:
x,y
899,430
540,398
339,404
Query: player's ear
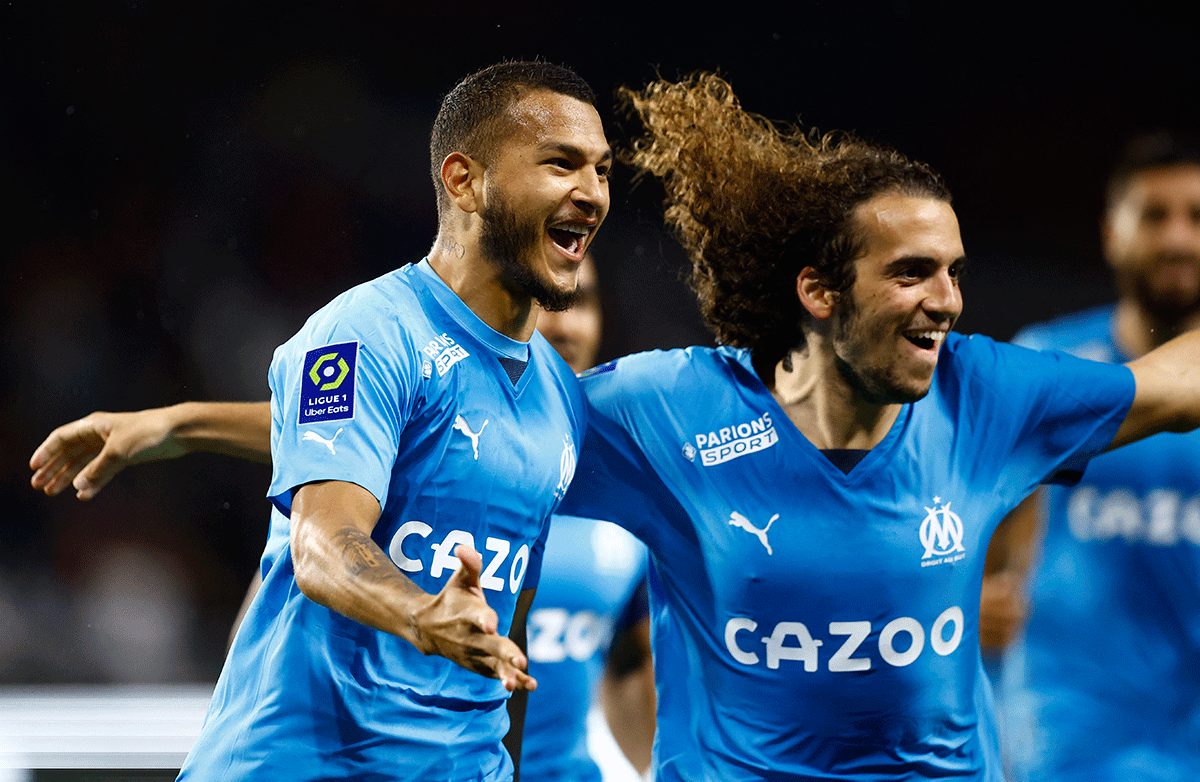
x,y
462,177
815,295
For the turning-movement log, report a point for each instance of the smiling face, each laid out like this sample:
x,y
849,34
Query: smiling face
x,y
1152,240
545,195
888,328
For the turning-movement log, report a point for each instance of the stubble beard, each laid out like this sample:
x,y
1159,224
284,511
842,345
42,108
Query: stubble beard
x,y
876,387
1171,309
510,244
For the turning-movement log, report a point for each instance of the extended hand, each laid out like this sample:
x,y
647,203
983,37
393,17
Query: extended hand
x,y
458,624
89,452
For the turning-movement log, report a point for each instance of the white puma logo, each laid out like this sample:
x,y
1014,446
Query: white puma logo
x,y
327,443
460,424
738,520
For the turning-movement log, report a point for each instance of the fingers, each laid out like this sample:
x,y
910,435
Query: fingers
x,y
508,665
62,454
471,565
466,578
98,472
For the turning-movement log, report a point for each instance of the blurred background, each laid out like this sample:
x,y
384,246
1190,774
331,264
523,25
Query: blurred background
x,y
185,183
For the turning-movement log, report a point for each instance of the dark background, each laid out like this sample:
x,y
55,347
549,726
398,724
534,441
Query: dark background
x,y
185,183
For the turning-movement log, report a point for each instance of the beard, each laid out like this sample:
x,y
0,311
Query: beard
x,y
509,243
875,385
1165,302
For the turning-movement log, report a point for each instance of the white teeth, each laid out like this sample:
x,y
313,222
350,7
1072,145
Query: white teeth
x,y
575,229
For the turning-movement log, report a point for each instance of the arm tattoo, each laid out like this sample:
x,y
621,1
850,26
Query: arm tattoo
x,y
362,557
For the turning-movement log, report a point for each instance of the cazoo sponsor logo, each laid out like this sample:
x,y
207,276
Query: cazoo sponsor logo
x,y
901,642
495,551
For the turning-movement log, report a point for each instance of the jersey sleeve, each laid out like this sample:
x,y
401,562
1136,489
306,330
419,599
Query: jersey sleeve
x,y
1051,411
340,400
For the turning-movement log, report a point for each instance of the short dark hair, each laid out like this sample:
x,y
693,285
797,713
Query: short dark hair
x,y
473,116
1155,149
754,204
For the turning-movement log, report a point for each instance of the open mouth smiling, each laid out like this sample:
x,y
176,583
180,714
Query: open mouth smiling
x,y
570,237
925,340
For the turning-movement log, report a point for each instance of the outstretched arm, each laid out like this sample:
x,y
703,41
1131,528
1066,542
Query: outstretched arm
x,y
1168,391
338,565
89,452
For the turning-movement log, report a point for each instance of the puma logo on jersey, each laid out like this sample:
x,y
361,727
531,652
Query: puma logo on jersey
x,y
738,520
318,438
460,424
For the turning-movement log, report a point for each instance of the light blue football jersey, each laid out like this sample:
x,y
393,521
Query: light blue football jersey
x,y
809,623
398,387
1106,682
589,590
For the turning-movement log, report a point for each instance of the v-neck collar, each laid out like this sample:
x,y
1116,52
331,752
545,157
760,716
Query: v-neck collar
x,y
880,454
501,345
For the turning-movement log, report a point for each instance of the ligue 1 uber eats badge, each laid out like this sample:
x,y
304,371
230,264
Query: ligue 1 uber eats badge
x,y
327,387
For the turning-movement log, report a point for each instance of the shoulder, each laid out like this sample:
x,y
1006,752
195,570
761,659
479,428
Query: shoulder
x,y
976,367
1087,333
663,371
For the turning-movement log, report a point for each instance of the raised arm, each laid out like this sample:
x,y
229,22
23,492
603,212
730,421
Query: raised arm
x,y
1168,391
338,565
89,452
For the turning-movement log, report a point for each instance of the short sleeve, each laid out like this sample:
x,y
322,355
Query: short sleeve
x,y
339,408
1045,413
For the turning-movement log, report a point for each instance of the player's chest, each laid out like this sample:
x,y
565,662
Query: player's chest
x,y
476,433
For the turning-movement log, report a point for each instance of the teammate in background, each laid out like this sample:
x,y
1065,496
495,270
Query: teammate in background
x,y
592,580
1105,683
816,498
418,422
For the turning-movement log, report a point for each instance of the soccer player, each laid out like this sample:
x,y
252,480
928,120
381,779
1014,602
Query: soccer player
x,y
422,434
587,628
1105,683
818,492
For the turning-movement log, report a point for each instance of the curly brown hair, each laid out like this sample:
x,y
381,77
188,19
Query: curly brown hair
x,y
754,203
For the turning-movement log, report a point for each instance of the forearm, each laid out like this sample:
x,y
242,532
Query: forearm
x,y
239,429
1167,398
340,567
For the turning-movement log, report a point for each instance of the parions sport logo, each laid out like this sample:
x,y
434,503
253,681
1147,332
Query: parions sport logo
x,y
730,442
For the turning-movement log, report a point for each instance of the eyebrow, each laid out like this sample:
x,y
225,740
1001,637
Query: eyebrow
x,y
571,150
909,260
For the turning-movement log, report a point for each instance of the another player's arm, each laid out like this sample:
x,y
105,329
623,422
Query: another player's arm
x,y
338,565
1002,602
627,694
1168,391
89,452
520,698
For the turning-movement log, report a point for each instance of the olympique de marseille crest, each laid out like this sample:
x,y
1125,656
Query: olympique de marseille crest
x,y
942,535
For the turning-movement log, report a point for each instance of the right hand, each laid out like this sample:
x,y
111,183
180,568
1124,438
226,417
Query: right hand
x,y
89,452
458,624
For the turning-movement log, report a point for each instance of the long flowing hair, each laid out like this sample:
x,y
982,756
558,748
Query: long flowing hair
x,y
754,203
